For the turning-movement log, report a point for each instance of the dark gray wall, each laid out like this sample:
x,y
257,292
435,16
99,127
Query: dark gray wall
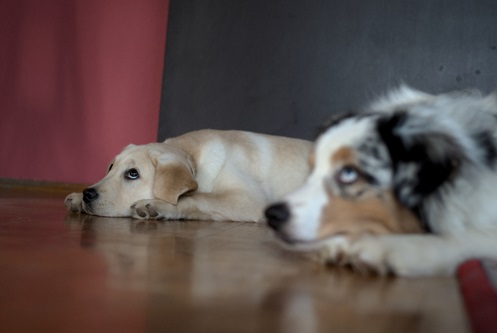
x,y
282,67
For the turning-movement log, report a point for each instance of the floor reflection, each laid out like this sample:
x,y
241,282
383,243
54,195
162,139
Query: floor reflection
x,y
226,274
123,242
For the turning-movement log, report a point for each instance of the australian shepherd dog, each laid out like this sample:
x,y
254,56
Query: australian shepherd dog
x,y
408,187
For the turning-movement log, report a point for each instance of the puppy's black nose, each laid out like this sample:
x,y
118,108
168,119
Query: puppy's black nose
x,y
277,215
89,194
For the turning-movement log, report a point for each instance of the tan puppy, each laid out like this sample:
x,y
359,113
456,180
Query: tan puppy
x,y
202,175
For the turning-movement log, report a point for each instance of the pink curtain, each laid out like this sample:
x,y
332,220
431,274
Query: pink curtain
x,y
79,81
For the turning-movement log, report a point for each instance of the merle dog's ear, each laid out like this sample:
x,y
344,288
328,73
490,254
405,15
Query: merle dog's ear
x,y
423,154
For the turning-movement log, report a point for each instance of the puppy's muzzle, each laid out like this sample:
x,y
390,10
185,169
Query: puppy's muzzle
x,y
89,194
277,215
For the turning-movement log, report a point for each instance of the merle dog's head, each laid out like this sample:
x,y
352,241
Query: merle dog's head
x,y
373,172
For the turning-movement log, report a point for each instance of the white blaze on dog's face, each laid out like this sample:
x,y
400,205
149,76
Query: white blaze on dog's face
x,y
349,190
151,171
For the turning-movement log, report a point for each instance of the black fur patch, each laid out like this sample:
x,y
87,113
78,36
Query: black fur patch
x,y
369,178
432,172
417,173
386,129
486,142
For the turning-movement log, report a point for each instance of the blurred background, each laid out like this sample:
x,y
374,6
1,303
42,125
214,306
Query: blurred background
x,y
82,79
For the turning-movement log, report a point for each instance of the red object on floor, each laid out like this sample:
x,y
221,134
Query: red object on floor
x,y
477,281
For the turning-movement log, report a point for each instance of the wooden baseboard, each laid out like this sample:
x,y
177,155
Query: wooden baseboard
x,y
35,185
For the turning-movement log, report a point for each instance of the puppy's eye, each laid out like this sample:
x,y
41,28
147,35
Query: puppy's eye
x,y
132,174
347,175
110,167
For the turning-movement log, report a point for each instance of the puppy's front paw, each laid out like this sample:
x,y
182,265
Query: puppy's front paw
x,y
152,210
73,202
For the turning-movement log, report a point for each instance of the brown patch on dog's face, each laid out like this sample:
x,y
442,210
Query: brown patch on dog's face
x,y
378,213
355,206
343,156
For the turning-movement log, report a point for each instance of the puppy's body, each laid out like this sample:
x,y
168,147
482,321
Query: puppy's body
x,y
418,176
202,175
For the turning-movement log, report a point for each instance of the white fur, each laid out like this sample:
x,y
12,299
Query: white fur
x,y
403,96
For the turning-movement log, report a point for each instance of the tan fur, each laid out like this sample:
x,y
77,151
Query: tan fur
x,y
343,156
206,175
172,181
376,214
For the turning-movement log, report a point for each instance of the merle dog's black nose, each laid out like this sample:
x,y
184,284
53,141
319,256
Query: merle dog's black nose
x,y
89,194
277,215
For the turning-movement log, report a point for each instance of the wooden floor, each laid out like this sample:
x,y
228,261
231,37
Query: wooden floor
x,y
63,273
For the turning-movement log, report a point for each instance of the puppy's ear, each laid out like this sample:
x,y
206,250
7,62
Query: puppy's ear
x,y
173,179
424,153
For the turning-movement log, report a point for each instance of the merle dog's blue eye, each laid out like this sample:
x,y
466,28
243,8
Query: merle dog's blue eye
x,y
132,174
347,175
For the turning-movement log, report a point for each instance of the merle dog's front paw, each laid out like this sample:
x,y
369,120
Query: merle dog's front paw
x,y
394,254
364,254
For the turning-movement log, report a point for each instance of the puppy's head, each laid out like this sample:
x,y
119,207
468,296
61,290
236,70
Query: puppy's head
x,y
152,171
371,174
